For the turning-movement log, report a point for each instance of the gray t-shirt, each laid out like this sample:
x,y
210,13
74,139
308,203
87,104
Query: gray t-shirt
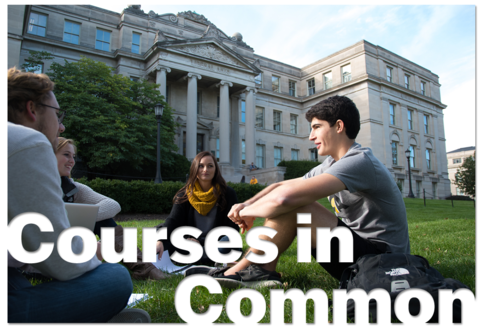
x,y
372,204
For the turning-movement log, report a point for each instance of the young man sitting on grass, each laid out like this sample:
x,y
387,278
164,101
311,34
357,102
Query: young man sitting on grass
x,y
366,199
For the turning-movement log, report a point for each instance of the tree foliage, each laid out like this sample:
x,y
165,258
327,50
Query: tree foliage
x,y
465,176
34,61
110,117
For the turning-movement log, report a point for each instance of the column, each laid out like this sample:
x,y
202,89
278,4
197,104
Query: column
x,y
162,79
437,166
191,146
250,125
224,122
235,153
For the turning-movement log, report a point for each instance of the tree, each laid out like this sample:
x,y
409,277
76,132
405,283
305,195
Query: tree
x,y
465,176
34,61
110,117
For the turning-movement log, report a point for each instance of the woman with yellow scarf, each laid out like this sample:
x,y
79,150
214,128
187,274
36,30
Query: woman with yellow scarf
x,y
203,202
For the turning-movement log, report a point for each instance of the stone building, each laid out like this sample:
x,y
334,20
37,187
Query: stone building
x,y
455,160
242,106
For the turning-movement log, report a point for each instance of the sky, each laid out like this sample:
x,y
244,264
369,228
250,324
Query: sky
x,y
440,38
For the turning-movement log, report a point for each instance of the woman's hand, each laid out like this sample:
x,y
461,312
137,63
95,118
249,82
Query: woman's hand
x,y
193,239
160,249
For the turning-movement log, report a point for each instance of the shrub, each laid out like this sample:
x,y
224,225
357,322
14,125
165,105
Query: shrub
x,y
245,191
148,197
459,198
297,168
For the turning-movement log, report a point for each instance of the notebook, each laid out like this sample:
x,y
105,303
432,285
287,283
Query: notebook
x,y
82,215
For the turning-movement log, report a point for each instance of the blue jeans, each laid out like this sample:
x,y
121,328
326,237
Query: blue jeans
x,y
227,250
205,260
94,297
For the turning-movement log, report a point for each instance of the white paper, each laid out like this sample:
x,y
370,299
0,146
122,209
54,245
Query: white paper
x,y
166,265
136,298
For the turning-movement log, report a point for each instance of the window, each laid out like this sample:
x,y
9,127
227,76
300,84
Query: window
x,y
243,111
292,88
422,87
184,143
35,69
457,160
133,78
460,192
428,159
294,154
136,43
37,24
394,153
327,80
346,73
425,123
258,79
218,106
277,121
277,155
200,138
389,74
217,154
276,84
260,156
243,151
400,183
434,190
167,91
259,115
293,124
410,119
71,32
102,41
199,103
314,154
419,188
311,86
412,156
407,81
392,114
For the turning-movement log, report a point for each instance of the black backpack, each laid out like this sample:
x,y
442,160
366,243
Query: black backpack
x,y
396,272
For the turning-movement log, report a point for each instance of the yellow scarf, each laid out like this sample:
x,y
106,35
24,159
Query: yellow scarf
x,y
202,201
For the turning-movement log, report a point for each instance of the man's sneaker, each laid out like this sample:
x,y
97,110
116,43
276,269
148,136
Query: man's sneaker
x,y
253,276
131,315
198,270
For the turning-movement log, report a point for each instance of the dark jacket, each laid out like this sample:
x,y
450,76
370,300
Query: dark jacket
x,y
183,215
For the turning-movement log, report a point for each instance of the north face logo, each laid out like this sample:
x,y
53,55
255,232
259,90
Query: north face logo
x,y
397,272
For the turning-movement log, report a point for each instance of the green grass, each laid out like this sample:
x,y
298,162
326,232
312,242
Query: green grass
x,y
443,234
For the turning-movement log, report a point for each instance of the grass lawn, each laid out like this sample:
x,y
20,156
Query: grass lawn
x,y
443,234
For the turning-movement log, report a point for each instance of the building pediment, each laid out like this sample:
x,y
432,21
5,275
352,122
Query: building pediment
x,y
210,50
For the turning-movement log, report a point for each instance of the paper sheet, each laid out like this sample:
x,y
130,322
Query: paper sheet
x,y
166,265
136,298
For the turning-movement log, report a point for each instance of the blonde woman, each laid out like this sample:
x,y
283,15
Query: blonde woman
x,y
75,192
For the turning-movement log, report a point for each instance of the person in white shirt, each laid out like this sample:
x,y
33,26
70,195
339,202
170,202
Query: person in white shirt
x,y
84,292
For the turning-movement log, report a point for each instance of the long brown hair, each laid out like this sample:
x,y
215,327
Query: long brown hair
x,y
182,195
